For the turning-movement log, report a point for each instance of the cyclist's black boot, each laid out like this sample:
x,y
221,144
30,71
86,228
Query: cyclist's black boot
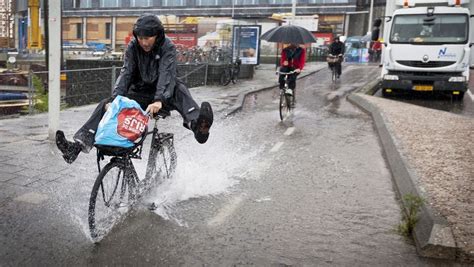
x,y
201,126
69,149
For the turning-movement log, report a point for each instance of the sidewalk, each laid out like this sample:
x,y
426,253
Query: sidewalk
x,y
27,162
431,155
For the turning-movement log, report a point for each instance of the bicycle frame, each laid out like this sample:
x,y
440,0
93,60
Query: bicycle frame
x,y
125,159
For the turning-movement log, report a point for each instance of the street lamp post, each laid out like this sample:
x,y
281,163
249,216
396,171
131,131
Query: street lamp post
x,y
370,15
293,11
54,66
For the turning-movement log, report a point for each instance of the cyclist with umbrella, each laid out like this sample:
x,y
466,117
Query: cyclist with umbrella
x,y
293,58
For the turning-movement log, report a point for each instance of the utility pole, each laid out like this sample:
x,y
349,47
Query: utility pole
x,y
233,5
370,16
54,67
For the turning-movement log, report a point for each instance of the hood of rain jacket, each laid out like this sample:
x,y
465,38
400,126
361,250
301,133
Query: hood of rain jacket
x,y
149,73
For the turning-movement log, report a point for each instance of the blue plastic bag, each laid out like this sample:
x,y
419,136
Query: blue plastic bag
x,y
122,124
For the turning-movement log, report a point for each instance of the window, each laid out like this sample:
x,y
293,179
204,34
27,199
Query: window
x,y
110,3
108,30
440,29
207,2
246,2
280,2
82,4
78,30
140,3
328,1
173,2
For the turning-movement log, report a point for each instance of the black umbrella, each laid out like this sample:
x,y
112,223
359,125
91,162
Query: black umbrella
x,y
289,34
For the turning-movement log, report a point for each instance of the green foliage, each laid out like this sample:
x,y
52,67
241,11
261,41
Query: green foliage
x,y
410,216
40,99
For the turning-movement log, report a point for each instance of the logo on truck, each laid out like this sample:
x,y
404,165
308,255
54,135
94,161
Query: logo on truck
x,y
443,53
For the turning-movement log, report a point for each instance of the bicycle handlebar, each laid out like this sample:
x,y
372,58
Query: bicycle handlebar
x,y
160,115
286,73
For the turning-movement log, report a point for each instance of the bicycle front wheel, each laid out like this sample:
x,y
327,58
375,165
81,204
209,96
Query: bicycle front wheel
x,y
162,160
111,198
225,77
284,106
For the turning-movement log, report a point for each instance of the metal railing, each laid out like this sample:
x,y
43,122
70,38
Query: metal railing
x,y
82,86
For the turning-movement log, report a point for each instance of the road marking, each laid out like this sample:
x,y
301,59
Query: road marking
x,y
226,211
470,95
289,131
276,147
32,198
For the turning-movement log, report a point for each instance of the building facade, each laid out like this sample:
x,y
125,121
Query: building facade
x,y
111,21
6,23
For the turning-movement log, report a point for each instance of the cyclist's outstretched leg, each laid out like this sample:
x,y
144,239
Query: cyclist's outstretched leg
x,y
84,137
198,119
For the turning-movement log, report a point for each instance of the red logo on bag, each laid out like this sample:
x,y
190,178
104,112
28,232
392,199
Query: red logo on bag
x,y
131,123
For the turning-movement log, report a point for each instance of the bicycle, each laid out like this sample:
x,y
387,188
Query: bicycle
x,y
332,61
118,187
231,73
287,98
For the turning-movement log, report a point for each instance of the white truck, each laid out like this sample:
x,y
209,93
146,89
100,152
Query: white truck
x,y
427,46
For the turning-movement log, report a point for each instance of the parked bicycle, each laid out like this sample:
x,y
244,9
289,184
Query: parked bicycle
x,y
231,72
118,187
287,97
332,62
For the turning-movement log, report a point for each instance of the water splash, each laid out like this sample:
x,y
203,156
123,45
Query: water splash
x,y
204,170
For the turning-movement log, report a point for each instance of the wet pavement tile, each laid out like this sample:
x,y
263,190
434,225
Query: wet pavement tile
x,y
5,176
11,168
22,180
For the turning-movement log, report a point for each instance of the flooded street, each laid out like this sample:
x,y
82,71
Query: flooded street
x,y
313,189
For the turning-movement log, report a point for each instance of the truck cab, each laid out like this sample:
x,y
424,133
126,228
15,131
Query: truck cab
x,y
427,47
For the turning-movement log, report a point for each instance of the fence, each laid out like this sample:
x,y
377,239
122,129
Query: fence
x,y
27,92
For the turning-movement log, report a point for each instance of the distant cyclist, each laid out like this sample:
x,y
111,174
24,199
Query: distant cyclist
x,y
293,58
337,48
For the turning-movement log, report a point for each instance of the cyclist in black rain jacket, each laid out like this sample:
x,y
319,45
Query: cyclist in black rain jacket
x,y
148,76
337,48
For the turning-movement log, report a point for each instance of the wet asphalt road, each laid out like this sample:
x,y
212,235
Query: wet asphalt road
x,y
312,190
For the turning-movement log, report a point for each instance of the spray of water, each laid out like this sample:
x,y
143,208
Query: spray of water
x,y
204,170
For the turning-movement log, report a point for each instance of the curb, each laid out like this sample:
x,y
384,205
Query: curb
x,y
432,234
241,98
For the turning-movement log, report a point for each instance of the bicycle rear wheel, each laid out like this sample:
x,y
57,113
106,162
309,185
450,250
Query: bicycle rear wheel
x,y
235,78
162,160
225,77
111,197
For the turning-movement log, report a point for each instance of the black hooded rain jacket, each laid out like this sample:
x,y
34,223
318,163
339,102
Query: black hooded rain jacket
x,y
149,73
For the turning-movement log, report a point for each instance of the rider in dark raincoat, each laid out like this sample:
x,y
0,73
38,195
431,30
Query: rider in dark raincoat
x,y
148,76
